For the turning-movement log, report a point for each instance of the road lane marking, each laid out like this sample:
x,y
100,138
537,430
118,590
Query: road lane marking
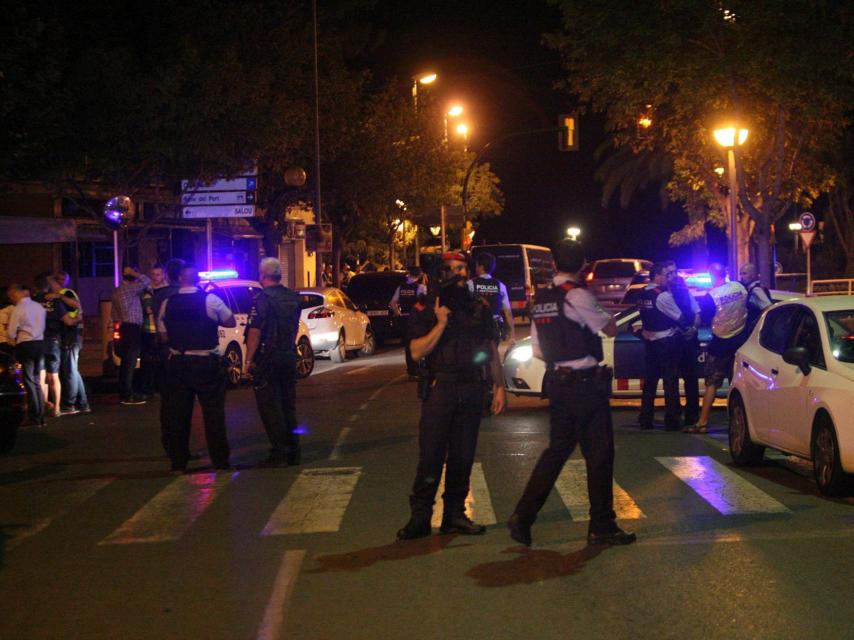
x,y
376,393
84,490
359,370
720,486
478,502
171,513
353,418
571,485
275,614
339,443
315,503
363,407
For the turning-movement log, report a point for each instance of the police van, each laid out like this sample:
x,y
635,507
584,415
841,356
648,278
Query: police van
x,y
523,268
238,296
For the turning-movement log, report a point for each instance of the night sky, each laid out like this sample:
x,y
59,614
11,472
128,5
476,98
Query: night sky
x,y
489,57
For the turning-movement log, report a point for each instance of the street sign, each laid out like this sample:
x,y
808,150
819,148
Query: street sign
x,y
219,211
207,198
807,221
243,183
807,237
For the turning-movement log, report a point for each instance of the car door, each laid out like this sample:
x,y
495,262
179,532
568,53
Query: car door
x,y
357,320
228,336
629,354
335,299
789,403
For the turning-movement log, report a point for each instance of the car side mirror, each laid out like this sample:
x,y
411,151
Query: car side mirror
x,y
799,357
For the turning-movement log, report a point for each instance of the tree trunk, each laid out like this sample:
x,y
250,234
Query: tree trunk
x,y
744,232
764,261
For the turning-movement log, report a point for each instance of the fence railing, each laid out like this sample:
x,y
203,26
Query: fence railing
x,y
840,286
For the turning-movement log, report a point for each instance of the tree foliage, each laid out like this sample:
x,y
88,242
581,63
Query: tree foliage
x,y
783,70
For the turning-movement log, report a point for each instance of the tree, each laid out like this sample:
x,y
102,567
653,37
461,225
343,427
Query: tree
x,y
698,62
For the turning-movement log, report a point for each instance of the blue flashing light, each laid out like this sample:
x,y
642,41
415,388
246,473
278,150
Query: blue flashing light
x,y
701,280
218,274
300,430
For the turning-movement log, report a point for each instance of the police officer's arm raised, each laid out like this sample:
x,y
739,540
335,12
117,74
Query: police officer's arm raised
x,y
423,346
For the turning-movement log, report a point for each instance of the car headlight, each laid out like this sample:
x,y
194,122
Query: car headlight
x,y
522,354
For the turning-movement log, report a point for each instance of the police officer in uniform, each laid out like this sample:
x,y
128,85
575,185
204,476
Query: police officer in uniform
x,y
725,306
661,318
271,360
565,319
690,346
454,332
189,322
494,293
758,296
404,299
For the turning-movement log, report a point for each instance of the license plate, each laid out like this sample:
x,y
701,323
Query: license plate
x,y
377,313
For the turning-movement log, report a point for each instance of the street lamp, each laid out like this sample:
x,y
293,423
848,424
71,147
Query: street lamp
x,y
454,111
428,77
573,233
795,227
728,138
463,131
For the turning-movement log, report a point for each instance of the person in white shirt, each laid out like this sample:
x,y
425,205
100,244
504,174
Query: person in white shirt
x,y
26,331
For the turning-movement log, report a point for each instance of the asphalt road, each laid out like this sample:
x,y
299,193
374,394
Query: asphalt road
x,y
98,540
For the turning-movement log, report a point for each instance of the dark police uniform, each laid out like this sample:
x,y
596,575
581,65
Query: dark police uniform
x,y
758,297
490,290
191,318
451,412
564,318
690,350
661,321
407,296
276,313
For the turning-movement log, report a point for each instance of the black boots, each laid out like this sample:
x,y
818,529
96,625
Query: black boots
x,y
520,531
460,523
612,537
417,527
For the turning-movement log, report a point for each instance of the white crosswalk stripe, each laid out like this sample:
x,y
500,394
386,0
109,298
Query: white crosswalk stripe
x,y
720,486
571,485
478,502
315,503
171,513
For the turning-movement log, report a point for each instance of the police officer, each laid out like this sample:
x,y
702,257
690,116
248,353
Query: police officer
x,y
188,322
404,299
454,333
726,307
271,360
758,297
689,346
494,293
565,319
661,318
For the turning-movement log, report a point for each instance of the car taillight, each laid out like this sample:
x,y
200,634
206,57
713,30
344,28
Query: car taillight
x,y
320,312
116,334
590,276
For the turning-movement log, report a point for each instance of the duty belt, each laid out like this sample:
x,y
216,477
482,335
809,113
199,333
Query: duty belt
x,y
565,374
474,375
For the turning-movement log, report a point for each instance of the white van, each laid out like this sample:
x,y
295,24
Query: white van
x,y
523,268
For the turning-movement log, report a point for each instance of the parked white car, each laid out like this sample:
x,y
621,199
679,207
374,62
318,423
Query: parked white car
x,y
336,325
793,388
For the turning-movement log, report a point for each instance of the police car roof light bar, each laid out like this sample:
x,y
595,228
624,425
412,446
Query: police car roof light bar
x,y
218,274
702,280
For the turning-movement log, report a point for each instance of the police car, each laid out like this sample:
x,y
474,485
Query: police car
x,y
238,296
523,373
336,324
793,388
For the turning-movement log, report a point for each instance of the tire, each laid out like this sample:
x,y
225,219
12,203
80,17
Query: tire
x,y
234,364
339,353
742,449
370,345
827,468
305,358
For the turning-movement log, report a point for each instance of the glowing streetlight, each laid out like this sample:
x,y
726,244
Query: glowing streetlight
x,y
456,110
462,129
573,233
728,138
719,171
428,77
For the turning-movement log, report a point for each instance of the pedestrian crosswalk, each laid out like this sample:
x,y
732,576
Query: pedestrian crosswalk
x,y
323,499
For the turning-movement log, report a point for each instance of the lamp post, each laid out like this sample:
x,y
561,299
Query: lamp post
x,y
573,233
795,227
428,77
728,138
454,112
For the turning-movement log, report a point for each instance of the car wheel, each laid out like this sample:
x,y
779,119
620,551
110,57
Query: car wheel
x,y
234,364
370,345
742,449
305,358
826,465
339,353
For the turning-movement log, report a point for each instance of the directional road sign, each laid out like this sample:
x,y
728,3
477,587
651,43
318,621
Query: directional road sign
x,y
219,211
207,198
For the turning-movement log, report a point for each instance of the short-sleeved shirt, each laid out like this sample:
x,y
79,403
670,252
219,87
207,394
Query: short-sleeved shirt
x,y
72,335
26,322
502,291
276,313
215,309
581,307
421,291
466,343
666,304
55,311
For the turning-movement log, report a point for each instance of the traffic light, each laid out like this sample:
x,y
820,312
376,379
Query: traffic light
x,y
567,135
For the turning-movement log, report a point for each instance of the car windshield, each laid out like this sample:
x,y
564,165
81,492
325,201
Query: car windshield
x,y
840,327
309,300
616,269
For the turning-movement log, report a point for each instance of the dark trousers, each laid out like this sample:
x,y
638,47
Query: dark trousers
x,y
130,344
661,361
275,394
688,372
149,362
580,414
30,355
188,377
411,365
450,419
160,380
73,389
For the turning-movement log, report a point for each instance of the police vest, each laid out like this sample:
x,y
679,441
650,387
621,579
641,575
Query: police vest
x,y
465,345
560,338
407,296
490,290
188,325
652,317
754,311
730,309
